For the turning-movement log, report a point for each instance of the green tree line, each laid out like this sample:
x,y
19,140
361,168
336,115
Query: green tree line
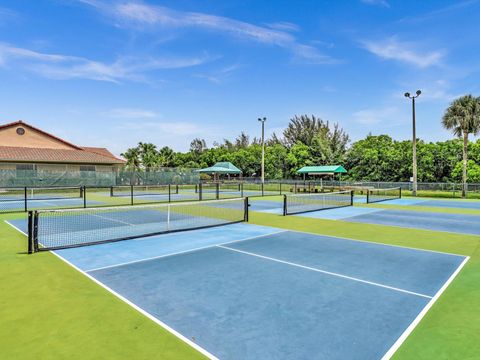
x,y
308,140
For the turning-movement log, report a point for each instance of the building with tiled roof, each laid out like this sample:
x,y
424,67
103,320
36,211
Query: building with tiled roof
x,y
25,147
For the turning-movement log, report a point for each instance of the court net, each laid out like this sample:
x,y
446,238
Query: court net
x,y
60,229
377,195
41,193
143,190
300,203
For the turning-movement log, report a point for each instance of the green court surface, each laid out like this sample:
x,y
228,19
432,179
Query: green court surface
x,y
51,311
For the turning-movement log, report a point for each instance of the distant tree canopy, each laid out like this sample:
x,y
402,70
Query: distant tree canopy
x,y
308,140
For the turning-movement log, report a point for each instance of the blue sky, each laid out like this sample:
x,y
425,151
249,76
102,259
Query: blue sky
x,y
112,73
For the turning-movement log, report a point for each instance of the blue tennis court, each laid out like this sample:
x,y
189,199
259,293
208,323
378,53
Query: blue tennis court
x,y
242,291
466,204
44,204
458,223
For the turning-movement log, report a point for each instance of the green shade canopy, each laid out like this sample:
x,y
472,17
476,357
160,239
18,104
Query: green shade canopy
x,y
221,168
322,170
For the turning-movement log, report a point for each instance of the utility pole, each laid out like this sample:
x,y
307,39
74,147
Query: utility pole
x,y
414,141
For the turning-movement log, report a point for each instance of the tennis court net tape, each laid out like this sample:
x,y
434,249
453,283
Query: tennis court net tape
x,y
60,229
377,195
300,203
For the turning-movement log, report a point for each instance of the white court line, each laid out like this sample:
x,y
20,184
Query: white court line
x,y
182,252
16,228
372,242
422,313
142,311
114,220
325,272
407,227
136,307
387,356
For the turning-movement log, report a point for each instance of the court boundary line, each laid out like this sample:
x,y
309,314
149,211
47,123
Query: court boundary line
x,y
133,305
387,355
393,349
405,227
141,310
326,272
182,252
372,242
373,210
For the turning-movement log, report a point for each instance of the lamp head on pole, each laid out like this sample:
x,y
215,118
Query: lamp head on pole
x,y
262,120
417,94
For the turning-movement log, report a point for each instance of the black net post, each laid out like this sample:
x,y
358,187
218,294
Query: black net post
x,y
30,232
111,190
200,190
351,197
169,193
35,231
25,196
217,191
400,195
131,194
284,205
84,193
262,188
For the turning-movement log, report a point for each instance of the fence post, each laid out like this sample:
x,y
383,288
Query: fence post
x,y
25,198
84,196
284,205
169,193
131,194
200,190
217,190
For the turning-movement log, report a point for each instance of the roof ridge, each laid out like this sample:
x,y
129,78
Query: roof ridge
x,y
21,122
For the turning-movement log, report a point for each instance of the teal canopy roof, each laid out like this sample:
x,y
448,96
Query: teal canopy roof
x,y
221,168
330,169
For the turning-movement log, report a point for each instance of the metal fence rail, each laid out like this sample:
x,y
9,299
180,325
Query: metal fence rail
x,y
22,199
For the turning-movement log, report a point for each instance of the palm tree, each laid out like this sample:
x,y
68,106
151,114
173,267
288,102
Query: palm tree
x,y
132,155
148,155
463,118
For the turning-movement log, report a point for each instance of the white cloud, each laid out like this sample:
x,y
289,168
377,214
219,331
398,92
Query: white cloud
x,y
7,14
406,52
284,26
219,76
130,113
152,17
374,116
63,67
383,3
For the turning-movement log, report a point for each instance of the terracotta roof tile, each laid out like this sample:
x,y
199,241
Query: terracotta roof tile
x,y
11,153
100,151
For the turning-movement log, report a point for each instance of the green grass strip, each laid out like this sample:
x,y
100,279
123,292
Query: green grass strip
x,y
51,311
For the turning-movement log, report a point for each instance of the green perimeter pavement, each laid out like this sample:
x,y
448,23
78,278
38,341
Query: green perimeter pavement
x,y
51,311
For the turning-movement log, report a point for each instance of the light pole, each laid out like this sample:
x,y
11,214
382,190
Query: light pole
x,y
414,144
262,120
